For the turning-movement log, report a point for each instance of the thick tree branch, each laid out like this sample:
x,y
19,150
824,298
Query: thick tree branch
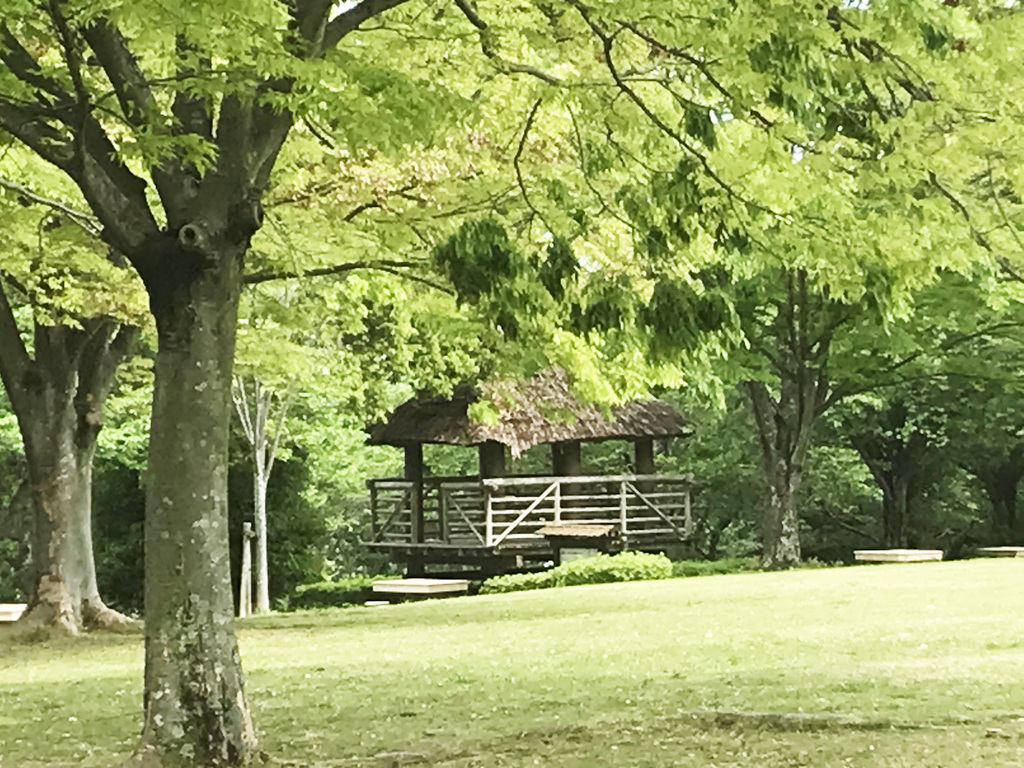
x,y
72,55
349,21
105,349
14,358
32,130
126,77
23,65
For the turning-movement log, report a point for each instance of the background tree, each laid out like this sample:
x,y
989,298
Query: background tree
x,y
58,365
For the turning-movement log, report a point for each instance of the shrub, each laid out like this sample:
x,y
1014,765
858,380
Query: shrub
x,y
714,567
599,569
333,594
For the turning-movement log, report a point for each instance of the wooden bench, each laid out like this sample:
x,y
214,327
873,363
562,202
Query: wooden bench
x,y
1000,552
896,555
421,588
11,611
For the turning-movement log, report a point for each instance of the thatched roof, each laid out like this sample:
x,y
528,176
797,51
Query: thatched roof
x,y
541,410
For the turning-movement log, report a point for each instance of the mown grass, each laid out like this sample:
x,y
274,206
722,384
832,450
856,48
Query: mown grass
x,y
893,665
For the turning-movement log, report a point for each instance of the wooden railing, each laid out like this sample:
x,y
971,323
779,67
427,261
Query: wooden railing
x,y
495,512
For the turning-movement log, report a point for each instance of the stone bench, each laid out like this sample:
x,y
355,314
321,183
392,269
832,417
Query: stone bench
x,y
1000,552
421,588
11,611
896,555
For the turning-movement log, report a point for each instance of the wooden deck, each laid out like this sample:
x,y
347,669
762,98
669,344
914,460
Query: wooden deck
x,y
461,519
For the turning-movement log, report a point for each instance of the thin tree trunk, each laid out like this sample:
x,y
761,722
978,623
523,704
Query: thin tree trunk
x,y
196,713
255,419
260,481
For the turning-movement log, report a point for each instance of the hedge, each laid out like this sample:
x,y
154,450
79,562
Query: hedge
x,y
599,569
334,594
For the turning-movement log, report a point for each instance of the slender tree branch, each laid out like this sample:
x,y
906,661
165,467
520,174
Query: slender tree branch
x,y
86,221
334,269
487,46
516,160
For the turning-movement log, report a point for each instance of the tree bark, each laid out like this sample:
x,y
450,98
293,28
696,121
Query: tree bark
x,y
1001,487
895,501
255,419
784,429
260,482
196,713
58,398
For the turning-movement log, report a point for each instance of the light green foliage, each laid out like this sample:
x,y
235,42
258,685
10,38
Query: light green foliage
x,y
52,253
923,658
598,569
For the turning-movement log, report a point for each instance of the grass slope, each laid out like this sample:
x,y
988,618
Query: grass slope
x,y
894,665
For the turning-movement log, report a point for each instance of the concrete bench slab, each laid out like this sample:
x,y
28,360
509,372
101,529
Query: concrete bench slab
x,y
896,555
11,611
421,587
1000,551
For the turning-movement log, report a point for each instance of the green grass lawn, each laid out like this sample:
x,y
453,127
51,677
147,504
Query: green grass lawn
x,y
890,665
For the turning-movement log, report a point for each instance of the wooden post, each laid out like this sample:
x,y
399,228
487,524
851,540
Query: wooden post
x,y
245,583
566,458
442,513
623,510
492,459
643,452
414,473
489,517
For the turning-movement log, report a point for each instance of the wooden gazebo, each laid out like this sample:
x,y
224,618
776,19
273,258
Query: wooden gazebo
x,y
495,521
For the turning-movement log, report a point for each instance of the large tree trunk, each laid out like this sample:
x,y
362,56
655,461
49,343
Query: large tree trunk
x,y
58,398
781,535
63,572
196,713
1001,487
784,427
895,499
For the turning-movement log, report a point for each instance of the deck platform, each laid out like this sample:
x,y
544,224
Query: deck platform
x,y
1000,552
500,524
11,611
896,555
421,587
